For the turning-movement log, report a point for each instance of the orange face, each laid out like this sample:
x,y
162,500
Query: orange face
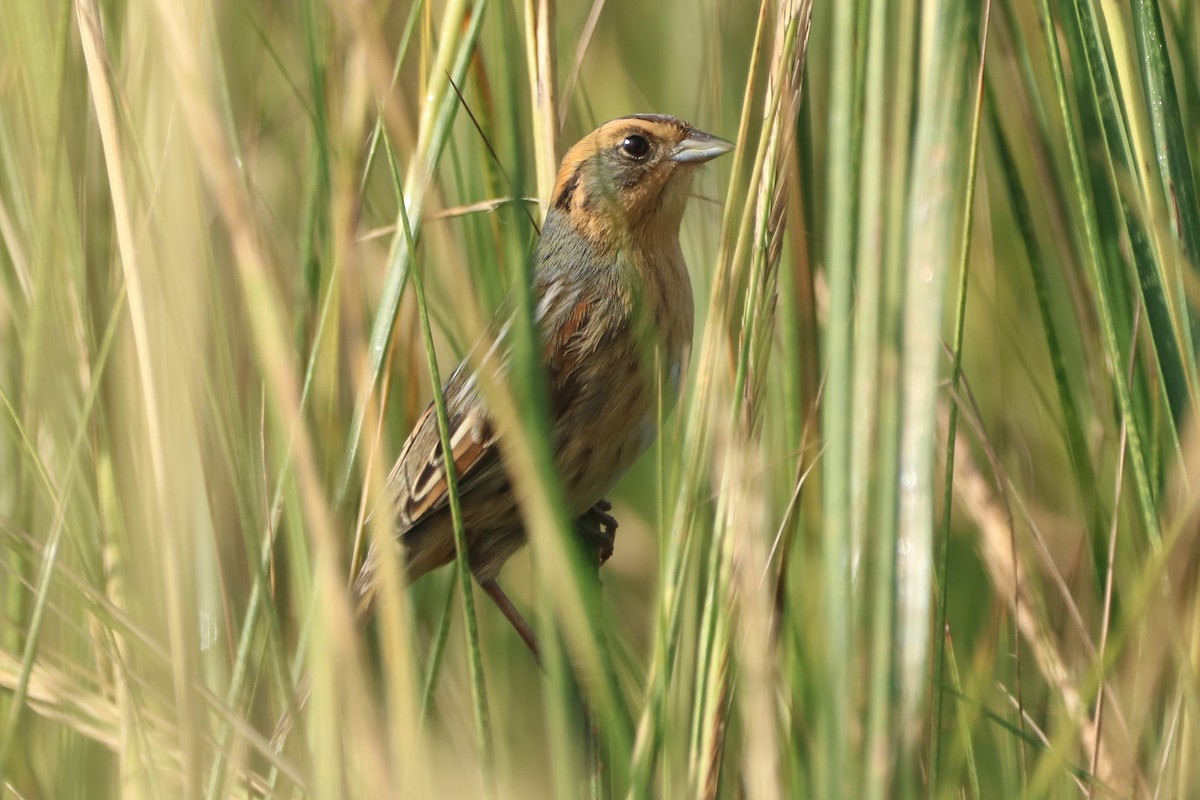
x,y
632,172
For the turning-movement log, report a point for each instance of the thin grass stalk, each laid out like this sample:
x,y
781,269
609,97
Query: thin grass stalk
x,y
59,525
59,494
870,259
964,728
483,726
566,693
558,565
1106,621
939,169
1055,333
561,693
394,608
712,671
566,576
317,212
1007,568
273,354
543,90
1077,449
585,38
153,734
1126,153
1146,126
378,130
95,53
901,115
1093,257
753,619
755,652
709,690
742,334
1125,257
517,399
401,700
1185,767
800,346
488,273
762,249
834,712
32,636
437,114
257,601
561,567
940,632
1174,162
652,724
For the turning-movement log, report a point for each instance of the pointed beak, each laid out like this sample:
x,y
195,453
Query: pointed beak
x,y
699,147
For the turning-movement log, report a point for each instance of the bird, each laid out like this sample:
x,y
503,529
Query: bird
x,y
613,318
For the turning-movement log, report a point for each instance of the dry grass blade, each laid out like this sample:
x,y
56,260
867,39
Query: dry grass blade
x,y
975,495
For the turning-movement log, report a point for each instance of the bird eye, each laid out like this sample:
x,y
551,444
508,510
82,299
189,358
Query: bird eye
x,y
635,146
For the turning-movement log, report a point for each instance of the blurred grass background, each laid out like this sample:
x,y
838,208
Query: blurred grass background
x,y
925,523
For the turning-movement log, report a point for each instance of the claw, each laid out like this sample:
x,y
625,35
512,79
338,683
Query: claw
x,y
599,527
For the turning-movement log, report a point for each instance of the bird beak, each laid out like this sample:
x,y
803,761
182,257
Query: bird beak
x,y
699,147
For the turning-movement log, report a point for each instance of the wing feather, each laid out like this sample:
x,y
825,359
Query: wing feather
x,y
418,481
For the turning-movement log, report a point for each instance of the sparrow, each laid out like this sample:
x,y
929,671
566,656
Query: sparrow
x,y
613,318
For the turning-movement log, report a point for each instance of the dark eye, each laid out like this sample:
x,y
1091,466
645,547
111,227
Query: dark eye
x,y
635,146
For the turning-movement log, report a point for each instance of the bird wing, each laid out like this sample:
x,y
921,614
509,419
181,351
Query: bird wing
x,y
570,328
418,481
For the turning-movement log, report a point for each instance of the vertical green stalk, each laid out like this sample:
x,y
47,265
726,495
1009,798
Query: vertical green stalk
x,y
683,521
872,257
1173,159
938,173
483,727
1093,251
960,318
897,164
1125,153
437,116
835,708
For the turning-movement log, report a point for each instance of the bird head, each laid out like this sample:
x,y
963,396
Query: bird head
x,y
631,176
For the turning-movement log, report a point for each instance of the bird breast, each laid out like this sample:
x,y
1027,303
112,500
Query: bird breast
x,y
616,330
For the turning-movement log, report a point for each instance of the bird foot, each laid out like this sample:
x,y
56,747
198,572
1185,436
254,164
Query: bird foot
x,y
600,528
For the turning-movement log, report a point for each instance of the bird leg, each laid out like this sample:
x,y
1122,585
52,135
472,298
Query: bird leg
x,y
596,526
600,528
514,617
